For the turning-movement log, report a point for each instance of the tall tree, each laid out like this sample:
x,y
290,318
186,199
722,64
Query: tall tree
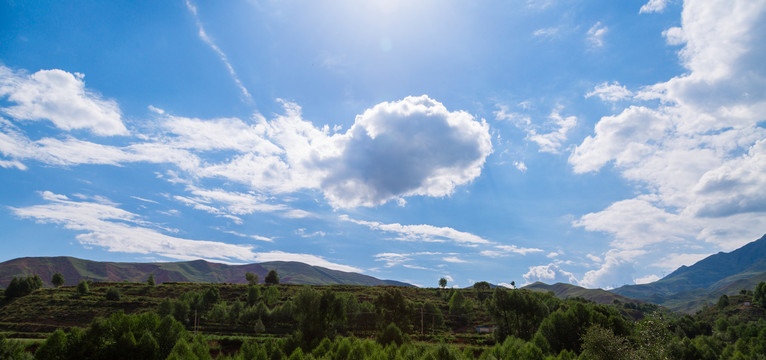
x,y
150,280
251,278
57,279
272,278
442,283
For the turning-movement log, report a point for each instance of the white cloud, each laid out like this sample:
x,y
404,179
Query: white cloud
x,y
304,258
209,41
618,269
427,233
507,250
118,230
610,92
549,137
60,97
394,259
698,155
520,166
410,147
454,260
653,6
646,279
596,34
551,142
593,258
549,274
547,33
675,260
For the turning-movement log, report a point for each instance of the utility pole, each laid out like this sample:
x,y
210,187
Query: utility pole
x,y
421,320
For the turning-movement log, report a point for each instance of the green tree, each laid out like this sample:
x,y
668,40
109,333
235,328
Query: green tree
x,y
113,294
272,278
82,287
251,278
150,280
391,334
516,312
392,307
319,315
759,295
442,283
599,343
57,279
14,350
19,287
723,301
253,295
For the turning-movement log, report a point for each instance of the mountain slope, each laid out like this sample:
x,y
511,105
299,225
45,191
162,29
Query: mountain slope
x,y
689,287
563,291
75,269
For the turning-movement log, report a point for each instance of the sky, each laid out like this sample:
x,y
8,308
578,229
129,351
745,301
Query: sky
x,y
598,143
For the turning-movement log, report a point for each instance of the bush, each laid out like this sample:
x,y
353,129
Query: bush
x,y
392,334
113,294
57,279
82,287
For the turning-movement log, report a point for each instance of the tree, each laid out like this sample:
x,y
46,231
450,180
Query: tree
x,y
82,287
57,279
251,278
442,283
150,280
759,296
113,294
23,286
723,301
272,278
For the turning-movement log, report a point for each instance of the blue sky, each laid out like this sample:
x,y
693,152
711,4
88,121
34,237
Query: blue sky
x,y
599,143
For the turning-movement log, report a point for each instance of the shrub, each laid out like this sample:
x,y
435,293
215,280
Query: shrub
x,y
57,279
82,287
113,294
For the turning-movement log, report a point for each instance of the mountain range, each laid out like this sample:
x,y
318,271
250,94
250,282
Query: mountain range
x,y
688,288
75,269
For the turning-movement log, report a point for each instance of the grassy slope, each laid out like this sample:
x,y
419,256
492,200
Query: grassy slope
x,y
75,270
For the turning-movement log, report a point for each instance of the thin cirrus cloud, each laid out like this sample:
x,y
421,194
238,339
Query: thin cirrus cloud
x,y
105,225
209,41
699,153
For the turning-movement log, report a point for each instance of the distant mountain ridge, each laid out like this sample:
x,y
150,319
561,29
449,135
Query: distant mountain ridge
x,y
565,291
690,287
75,269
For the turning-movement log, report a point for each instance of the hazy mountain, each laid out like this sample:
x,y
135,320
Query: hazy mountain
x,y
75,269
563,291
689,287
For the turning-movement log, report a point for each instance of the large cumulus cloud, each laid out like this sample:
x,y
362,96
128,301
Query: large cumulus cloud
x,y
410,147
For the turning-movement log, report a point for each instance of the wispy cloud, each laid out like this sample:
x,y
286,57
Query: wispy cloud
x,y
209,41
427,233
117,230
507,250
596,34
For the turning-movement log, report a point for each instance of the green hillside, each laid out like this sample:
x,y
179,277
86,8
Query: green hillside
x,y
690,287
75,269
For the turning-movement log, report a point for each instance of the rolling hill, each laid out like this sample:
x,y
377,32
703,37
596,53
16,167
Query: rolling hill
x,y
75,269
688,288
564,291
